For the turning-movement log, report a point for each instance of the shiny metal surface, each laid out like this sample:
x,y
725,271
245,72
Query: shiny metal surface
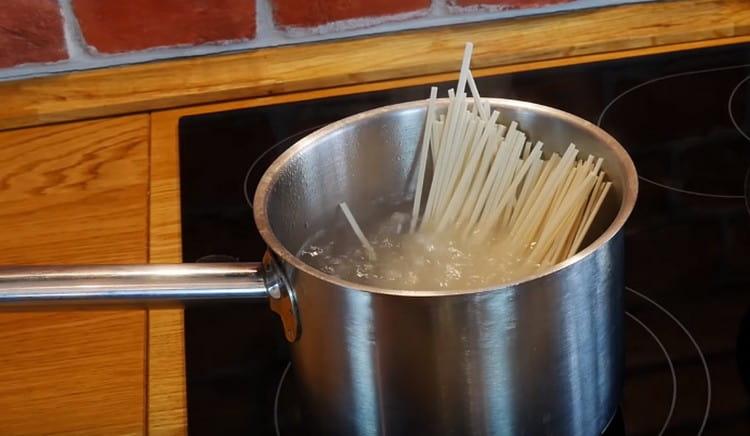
x,y
107,284
543,356
283,299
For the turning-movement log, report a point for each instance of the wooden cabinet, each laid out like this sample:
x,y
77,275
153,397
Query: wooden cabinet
x,y
74,193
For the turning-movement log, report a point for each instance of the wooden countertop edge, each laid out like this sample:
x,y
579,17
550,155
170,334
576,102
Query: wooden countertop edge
x,y
279,70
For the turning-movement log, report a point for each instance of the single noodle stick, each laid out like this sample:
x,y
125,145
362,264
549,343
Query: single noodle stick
x,y
452,157
358,231
509,193
549,258
528,185
576,176
484,109
459,197
576,224
598,165
562,191
552,226
437,131
508,211
470,126
439,167
500,185
541,180
497,164
567,235
590,219
598,187
464,74
423,159
478,181
529,228
460,150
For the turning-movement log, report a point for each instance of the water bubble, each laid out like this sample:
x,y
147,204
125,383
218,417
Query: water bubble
x,y
392,275
312,251
410,260
363,270
452,272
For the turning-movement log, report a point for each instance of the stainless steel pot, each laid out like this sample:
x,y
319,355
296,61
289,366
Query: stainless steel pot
x,y
542,356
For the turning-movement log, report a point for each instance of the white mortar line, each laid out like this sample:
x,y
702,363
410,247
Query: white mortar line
x,y
439,7
265,27
73,37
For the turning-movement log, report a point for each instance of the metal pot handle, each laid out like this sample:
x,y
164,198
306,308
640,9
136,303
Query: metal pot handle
x,y
152,284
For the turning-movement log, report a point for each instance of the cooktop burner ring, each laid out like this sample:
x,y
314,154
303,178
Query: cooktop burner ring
x,y
659,79
697,348
276,399
730,110
671,369
744,135
288,141
609,105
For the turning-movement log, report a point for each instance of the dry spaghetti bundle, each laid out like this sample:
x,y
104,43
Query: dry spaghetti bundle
x,y
489,182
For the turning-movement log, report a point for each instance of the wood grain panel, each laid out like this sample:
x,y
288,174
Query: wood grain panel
x,y
72,372
167,402
164,226
280,70
74,193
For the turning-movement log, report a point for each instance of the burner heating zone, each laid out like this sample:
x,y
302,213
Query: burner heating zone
x,y
678,384
701,142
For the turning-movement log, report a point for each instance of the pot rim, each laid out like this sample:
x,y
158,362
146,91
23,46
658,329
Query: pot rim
x,y
260,211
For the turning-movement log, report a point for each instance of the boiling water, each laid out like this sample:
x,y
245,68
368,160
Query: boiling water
x,y
419,261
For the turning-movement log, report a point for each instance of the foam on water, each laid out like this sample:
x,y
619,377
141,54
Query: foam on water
x,y
420,261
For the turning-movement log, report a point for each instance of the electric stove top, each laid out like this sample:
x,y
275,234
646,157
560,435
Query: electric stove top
x,y
685,120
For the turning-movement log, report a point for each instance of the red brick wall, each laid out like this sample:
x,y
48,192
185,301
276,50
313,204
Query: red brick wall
x,y
305,13
122,26
40,36
31,31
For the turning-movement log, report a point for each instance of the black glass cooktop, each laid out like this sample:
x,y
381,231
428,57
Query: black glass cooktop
x,y
684,118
